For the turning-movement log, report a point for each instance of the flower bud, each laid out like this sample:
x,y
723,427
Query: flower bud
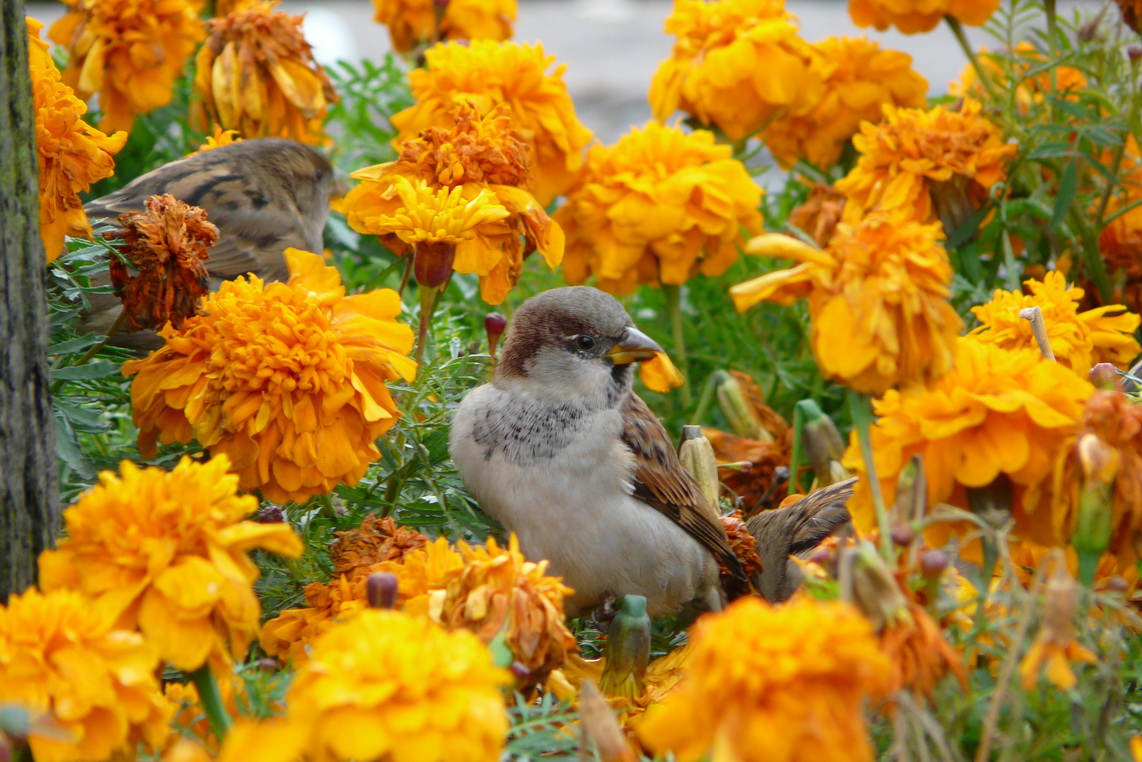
x,y
875,590
1104,376
1134,53
1094,527
736,408
697,456
824,445
494,325
902,535
381,590
271,514
628,650
933,564
432,262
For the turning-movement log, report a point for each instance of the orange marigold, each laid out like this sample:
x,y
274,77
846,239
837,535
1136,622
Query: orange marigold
x,y
388,686
167,553
1031,89
288,379
736,64
1078,339
167,246
218,138
997,413
912,16
928,164
791,689
480,166
486,73
659,206
256,74
1121,239
859,78
89,687
70,153
129,51
878,300
416,22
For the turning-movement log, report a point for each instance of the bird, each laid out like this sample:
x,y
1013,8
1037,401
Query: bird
x,y
264,194
560,450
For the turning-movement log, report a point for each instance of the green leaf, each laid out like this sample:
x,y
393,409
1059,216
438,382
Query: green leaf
x,y
1068,184
86,372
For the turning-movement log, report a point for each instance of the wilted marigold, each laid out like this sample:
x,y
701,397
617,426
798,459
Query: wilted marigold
x,y
482,165
166,553
659,206
878,300
997,413
736,65
416,22
819,215
1055,646
927,164
89,687
167,246
912,16
129,51
256,74
388,686
287,379
1078,339
70,153
486,73
792,688
859,78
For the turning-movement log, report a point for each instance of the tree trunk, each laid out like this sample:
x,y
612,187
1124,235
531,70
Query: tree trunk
x,y
29,493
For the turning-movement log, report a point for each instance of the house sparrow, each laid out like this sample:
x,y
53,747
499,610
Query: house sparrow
x,y
562,452
264,194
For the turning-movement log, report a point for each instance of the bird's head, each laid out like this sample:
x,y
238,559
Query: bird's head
x,y
574,341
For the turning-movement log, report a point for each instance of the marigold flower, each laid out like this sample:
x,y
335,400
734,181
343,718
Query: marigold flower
x,y
167,246
997,412
929,164
791,690
736,64
878,300
256,74
129,51
1055,645
859,78
386,685
89,687
287,379
166,553
1121,240
1078,339
1031,92
415,22
376,540
484,164
659,206
486,73
912,16
272,740
70,153
218,138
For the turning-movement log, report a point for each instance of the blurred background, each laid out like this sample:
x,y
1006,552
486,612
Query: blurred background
x,y
611,47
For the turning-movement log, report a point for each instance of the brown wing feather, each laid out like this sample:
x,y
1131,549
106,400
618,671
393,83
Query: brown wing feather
x,y
662,483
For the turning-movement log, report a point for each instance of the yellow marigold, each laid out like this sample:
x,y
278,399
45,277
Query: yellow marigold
x,y
129,51
912,16
859,78
486,73
1078,339
70,153
1014,70
218,138
89,687
415,22
659,206
929,164
431,215
485,164
791,688
166,553
256,74
997,413
878,300
736,64
287,379
388,686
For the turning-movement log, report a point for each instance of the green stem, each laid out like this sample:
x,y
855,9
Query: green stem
x,y
798,450
860,405
709,391
428,298
984,78
673,296
211,700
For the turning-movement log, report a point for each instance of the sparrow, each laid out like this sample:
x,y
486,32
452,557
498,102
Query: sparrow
x,y
561,451
264,194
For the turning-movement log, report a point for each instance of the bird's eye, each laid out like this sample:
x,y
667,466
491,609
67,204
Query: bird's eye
x,y
584,342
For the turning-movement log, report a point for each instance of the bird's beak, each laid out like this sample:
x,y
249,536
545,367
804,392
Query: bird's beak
x,y
633,347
